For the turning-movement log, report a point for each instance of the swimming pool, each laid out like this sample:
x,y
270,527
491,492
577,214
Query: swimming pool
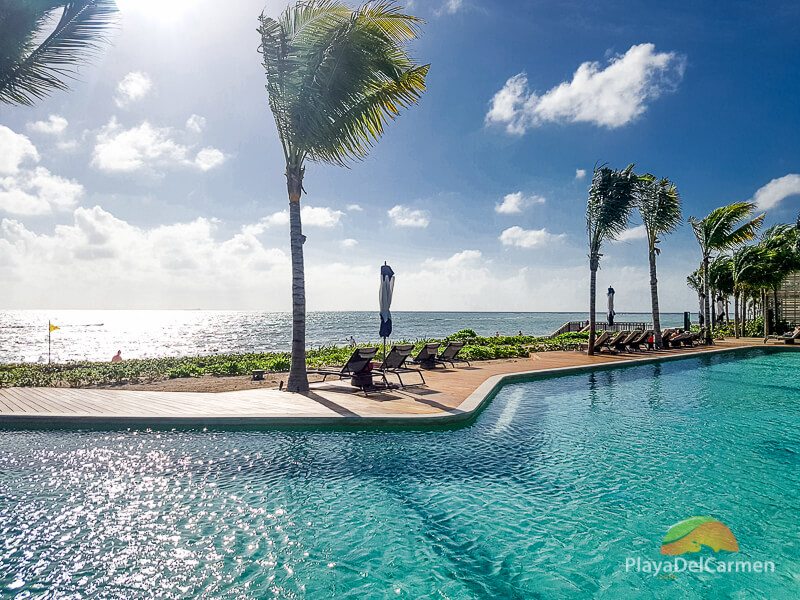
x,y
556,483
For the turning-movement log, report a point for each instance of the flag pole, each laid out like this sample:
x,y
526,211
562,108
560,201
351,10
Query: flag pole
x,y
49,334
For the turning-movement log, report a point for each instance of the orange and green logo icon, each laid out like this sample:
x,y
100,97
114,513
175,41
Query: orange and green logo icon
x,y
694,533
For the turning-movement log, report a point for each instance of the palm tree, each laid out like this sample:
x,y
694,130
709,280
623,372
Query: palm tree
x,y
720,276
32,68
722,229
611,196
660,208
780,245
335,78
748,272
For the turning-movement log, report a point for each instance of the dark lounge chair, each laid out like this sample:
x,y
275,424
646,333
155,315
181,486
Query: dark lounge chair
x,y
643,339
617,340
426,357
602,342
683,338
394,363
629,339
786,338
450,354
357,368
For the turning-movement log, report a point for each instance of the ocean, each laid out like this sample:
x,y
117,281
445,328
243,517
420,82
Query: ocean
x,y
97,334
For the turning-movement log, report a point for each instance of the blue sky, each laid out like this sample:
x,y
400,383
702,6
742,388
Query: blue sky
x,y
157,182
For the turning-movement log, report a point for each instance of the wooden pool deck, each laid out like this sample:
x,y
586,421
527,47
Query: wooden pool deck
x,y
450,395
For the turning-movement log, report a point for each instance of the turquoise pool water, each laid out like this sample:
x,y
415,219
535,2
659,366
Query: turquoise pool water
x,y
545,495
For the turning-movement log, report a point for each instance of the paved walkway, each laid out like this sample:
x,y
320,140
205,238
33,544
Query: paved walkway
x,y
450,395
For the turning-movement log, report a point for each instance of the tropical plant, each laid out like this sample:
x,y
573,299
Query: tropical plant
x,y
780,245
611,198
659,206
747,268
335,78
31,68
722,229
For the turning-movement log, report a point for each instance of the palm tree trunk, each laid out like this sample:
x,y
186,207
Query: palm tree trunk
x,y
714,306
764,312
298,378
736,314
775,314
593,264
744,313
654,301
706,305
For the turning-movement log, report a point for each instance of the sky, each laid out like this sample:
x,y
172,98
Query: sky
x,y
157,181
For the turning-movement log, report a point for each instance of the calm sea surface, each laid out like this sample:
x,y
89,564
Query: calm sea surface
x,y
98,334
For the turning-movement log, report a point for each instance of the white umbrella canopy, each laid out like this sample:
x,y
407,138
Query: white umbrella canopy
x,y
385,300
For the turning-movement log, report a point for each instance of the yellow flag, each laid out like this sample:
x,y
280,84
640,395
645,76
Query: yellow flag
x,y
54,327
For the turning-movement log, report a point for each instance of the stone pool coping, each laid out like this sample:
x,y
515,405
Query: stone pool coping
x,y
325,405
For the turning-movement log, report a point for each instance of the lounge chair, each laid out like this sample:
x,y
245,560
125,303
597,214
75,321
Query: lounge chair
x,y
426,357
394,363
628,341
786,338
450,354
643,339
602,342
666,337
357,368
617,340
683,338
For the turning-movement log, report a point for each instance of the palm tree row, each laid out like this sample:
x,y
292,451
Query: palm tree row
x,y
748,273
613,195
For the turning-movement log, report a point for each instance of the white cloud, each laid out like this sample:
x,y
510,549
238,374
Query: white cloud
x,y
26,190
146,147
403,216
773,193
196,123
450,7
349,243
528,238
633,233
16,149
208,158
134,86
120,262
54,125
580,174
38,192
354,208
310,216
515,203
608,97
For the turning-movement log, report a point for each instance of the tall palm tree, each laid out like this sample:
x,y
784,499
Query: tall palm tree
x,y
722,229
660,208
335,78
611,198
31,68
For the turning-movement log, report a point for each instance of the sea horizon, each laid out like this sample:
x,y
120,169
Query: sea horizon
x,y
96,334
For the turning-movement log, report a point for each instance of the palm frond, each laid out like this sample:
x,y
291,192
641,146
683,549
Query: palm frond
x,y
37,71
611,198
336,77
659,205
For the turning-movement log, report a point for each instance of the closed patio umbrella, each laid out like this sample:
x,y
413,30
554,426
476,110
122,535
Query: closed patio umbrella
x,y
385,302
611,312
